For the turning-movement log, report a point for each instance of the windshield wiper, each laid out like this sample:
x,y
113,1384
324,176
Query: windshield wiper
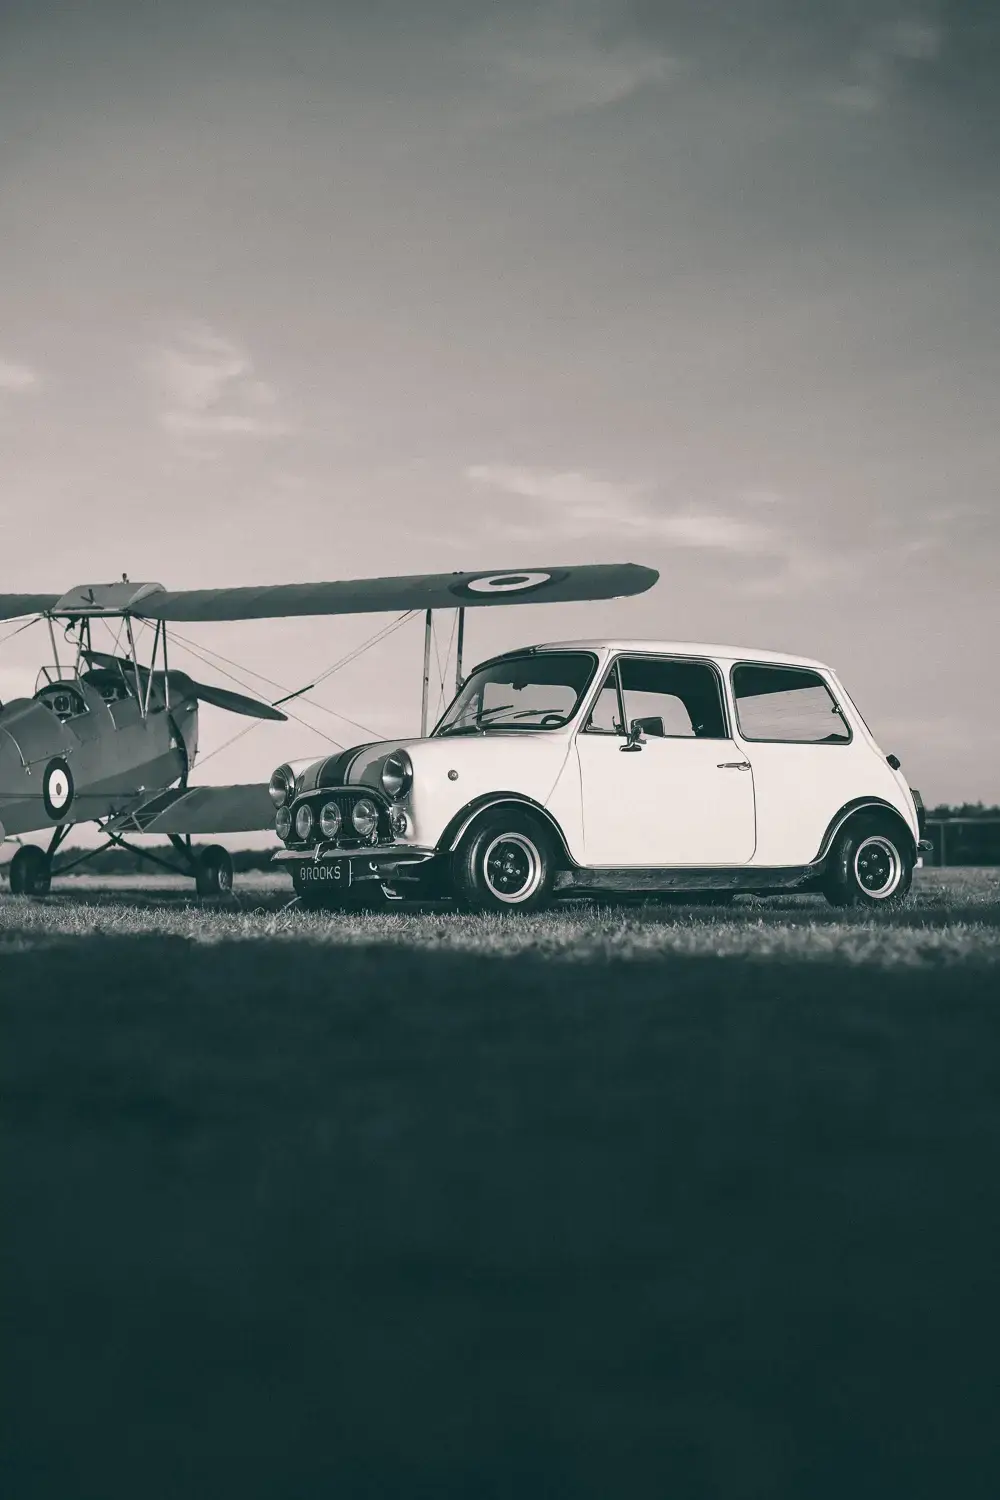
x,y
523,713
475,728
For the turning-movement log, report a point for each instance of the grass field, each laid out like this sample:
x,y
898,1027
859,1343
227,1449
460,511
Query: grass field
x,y
613,1202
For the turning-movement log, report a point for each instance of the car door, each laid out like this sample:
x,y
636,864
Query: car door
x,y
679,795
807,762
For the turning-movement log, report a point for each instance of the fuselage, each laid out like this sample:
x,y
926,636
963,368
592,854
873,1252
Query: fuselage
x,y
118,749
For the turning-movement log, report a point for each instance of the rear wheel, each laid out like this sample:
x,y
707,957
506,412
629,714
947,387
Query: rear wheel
x,y
30,872
214,871
504,863
870,865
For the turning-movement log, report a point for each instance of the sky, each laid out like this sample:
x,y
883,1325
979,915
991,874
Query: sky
x,y
314,290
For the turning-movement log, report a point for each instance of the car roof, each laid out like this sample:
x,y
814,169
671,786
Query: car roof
x,y
686,648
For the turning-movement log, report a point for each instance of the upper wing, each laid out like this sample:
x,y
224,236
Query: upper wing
x,y
202,809
13,605
421,591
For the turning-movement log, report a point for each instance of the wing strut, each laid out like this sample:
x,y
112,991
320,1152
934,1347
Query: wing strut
x,y
425,692
458,650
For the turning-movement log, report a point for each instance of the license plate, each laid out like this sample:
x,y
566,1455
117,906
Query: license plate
x,y
332,873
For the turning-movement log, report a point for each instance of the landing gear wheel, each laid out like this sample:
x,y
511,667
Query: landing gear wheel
x,y
30,872
869,866
57,790
214,871
504,863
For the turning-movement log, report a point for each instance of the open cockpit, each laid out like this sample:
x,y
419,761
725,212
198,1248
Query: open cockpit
x,y
61,692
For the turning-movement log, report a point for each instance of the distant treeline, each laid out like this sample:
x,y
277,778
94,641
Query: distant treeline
x,y
965,810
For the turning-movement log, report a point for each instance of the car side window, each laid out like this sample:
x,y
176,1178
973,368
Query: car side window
x,y
790,704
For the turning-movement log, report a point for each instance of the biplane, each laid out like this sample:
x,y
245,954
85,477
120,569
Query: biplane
x,y
111,740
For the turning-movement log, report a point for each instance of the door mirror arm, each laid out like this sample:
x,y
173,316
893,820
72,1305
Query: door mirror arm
x,y
634,739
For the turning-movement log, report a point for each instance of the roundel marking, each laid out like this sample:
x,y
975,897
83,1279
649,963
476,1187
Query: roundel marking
x,y
57,788
507,583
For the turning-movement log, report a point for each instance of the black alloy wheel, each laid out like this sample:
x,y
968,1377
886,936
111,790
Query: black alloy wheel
x,y
870,866
30,872
214,871
504,863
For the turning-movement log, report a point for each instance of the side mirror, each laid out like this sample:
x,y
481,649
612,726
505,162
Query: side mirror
x,y
651,726
634,738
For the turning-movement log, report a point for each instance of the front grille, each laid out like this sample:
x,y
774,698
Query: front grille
x,y
347,838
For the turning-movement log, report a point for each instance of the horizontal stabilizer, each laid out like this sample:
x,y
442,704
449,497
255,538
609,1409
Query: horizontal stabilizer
x,y
183,686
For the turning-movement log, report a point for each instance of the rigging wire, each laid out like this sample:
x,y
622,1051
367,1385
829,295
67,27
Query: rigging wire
x,y
255,725
447,657
350,656
203,759
37,620
241,682
193,651
373,640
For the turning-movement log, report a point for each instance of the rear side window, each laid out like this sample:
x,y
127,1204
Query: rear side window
x,y
787,703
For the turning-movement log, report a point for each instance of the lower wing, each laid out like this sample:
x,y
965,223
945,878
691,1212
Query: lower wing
x,y
201,809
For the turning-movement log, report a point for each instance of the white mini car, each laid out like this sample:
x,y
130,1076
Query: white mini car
x,y
611,767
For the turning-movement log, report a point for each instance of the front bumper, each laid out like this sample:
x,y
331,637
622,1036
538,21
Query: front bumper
x,y
390,863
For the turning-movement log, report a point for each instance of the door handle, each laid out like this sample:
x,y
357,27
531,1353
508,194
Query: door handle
x,y
733,765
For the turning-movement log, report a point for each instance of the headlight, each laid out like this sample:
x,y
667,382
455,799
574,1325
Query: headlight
x,y
329,820
304,820
399,821
280,786
283,823
364,816
397,775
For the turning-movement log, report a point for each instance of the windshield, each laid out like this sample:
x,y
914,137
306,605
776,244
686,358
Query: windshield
x,y
521,692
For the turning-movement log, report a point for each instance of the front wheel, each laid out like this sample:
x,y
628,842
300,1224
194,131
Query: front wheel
x,y
504,863
869,866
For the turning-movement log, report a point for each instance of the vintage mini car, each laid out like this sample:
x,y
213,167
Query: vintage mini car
x,y
608,767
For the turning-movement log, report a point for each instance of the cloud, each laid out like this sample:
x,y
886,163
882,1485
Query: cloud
x,y
18,380
206,387
575,505
569,57
584,505
885,51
